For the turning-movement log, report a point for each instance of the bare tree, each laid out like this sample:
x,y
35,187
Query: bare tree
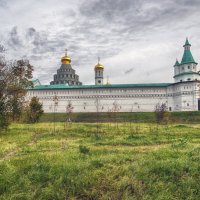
x,y
97,105
55,101
160,112
115,109
69,110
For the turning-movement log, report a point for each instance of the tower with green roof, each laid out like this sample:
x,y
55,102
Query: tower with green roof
x,y
187,70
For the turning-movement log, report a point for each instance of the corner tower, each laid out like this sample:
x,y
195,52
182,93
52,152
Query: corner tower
x,y
186,70
98,73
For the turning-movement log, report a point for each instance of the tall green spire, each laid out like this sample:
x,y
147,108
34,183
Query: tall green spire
x,y
186,43
187,55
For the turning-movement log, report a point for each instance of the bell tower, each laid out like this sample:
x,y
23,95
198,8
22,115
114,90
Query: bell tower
x,y
98,73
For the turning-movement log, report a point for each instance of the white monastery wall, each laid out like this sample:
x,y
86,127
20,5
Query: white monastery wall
x,y
178,97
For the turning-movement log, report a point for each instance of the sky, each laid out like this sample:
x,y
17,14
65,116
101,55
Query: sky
x,y
138,41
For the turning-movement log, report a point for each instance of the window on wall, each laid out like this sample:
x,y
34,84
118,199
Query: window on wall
x,y
188,104
182,68
188,67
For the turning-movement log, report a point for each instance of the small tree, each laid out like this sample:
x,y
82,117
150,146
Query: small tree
x,y
161,113
4,122
97,105
115,109
33,111
69,110
15,78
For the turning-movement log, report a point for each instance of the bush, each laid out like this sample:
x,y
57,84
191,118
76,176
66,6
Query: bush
x,y
3,115
84,149
33,111
161,114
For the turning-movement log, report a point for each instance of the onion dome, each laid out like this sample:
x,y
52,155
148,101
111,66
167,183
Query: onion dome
x,y
66,59
98,65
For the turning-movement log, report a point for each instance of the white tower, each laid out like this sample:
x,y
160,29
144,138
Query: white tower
x,y
187,70
99,73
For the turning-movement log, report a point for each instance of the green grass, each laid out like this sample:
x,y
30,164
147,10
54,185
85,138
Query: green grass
x,y
139,117
121,161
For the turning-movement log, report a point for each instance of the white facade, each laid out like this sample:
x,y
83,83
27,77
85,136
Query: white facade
x,y
183,95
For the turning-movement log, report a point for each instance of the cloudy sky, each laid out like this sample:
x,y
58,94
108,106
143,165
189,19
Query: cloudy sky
x,y
137,40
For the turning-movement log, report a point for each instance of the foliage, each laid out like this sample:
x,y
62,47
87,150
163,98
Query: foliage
x,y
69,110
33,111
161,113
146,117
3,115
154,163
84,149
14,79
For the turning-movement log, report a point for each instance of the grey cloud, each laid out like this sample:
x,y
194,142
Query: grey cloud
x,y
14,40
41,43
133,15
2,48
105,28
3,4
129,71
30,32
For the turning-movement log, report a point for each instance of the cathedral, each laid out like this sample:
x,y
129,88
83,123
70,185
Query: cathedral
x,y
66,89
66,75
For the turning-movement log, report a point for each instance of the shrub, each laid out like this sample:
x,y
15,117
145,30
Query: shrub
x,y
84,149
34,111
161,114
3,115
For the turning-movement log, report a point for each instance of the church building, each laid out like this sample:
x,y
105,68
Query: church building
x,y
66,75
66,89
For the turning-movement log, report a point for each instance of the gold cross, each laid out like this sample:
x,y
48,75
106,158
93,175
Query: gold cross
x,y
65,52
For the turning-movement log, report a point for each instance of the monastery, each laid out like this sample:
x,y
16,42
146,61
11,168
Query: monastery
x,y
66,89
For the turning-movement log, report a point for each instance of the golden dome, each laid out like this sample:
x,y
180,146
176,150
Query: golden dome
x,y
98,65
66,59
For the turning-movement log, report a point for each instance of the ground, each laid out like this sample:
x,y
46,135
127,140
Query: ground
x,y
100,161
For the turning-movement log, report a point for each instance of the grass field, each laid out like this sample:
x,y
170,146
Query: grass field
x,y
120,161
141,117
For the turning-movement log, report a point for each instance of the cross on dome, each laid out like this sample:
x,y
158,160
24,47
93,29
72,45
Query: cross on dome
x,y
65,52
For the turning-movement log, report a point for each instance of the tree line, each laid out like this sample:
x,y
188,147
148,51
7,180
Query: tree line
x,y
15,78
